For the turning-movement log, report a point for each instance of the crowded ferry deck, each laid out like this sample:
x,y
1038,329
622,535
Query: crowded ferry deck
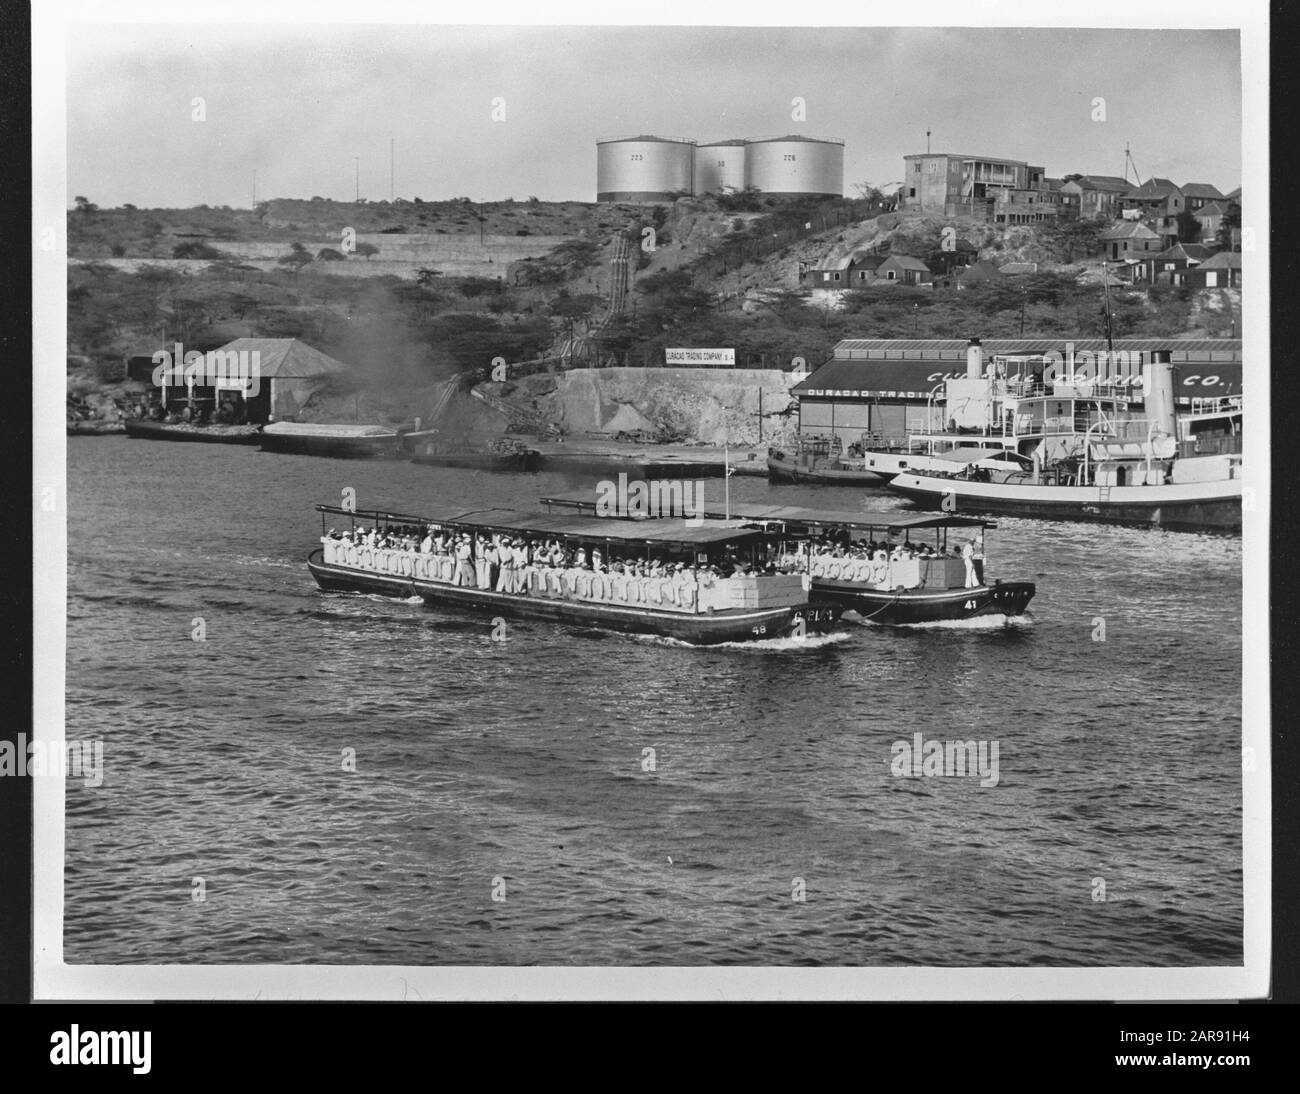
x,y
868,562
701,583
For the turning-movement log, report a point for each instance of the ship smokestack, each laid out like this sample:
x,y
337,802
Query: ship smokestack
x,y
974,360
1158,391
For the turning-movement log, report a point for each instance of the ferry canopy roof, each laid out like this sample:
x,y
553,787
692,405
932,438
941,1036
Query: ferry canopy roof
x,y
890,520
668,530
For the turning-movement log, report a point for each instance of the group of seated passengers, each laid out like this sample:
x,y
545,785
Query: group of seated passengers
x,y
500,561
884,549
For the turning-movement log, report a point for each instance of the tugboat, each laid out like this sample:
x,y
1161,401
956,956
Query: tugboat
x,y
883,579
820,459
1074,448
683,595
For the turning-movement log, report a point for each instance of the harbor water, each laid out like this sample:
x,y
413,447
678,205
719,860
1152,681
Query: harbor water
x,y
359,780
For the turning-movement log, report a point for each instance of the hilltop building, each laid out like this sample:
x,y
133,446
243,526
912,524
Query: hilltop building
x,y
1001,190
1090,196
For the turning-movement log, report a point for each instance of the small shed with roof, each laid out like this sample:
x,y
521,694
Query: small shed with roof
x,y
254,380
1220,271
904,268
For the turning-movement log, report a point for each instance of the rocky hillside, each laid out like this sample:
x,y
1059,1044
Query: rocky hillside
x,y
430,291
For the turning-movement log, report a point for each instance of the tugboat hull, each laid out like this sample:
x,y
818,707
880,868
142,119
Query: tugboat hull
x,y
908,606
786,469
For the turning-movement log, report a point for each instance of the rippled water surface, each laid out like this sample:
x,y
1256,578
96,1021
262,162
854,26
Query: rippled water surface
x,y
524,760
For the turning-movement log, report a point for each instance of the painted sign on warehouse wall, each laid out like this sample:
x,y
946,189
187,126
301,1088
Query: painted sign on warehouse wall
x,y
700,356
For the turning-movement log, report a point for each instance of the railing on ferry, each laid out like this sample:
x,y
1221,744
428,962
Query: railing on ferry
x,y
1216,404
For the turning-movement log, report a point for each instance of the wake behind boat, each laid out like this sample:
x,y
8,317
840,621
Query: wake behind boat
x,y
701,585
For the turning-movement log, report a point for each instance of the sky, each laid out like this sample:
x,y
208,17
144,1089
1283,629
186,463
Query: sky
x,y
309,107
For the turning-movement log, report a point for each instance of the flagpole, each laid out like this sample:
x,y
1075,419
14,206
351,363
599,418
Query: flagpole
x,y
726,478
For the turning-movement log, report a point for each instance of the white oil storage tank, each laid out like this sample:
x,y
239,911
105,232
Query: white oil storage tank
x,y
720,167
795,166
644,168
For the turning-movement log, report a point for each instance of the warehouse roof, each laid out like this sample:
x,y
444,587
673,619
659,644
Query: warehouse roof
x,y
283,358
858,379
937,349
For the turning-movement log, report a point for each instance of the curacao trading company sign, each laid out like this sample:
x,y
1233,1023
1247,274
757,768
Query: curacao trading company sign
x,y
700,356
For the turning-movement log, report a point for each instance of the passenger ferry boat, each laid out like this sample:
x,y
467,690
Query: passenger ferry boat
x,y
1075,448
895,591
691,605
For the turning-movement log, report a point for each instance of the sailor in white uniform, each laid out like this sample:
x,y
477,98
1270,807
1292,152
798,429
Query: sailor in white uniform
x,y
968,557
464,571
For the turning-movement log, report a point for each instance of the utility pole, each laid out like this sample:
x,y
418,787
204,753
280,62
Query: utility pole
x,y
254,187
927,142
392,188
1105,274
357,161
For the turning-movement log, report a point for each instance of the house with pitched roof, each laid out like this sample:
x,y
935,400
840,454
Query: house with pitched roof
x,y
850,271
983,270
904,269
1091,196
1161,268
1200,194
1210,217
1220,271
1130,239
1156,198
